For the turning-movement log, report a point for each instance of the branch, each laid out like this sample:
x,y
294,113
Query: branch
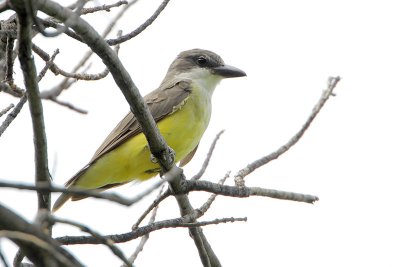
x,y
141,28
125,237
235,191
66,83
47,188
206,253
239,177
6,109
35,105
153,205
9,60
49,63
208,157
144,238
105,241
68,105
13,114
33,242
3,259
11,89
56,70
107,8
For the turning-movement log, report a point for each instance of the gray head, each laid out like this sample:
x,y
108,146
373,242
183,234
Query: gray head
x,y
199,59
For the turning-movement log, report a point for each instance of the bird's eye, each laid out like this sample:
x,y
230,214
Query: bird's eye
x,y
201,60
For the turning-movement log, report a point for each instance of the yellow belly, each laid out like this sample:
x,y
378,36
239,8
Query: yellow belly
x,y
182,131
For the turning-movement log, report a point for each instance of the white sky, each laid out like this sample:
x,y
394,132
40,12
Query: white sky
x,y
349,156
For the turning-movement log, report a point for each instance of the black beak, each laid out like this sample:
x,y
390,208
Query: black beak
x,y
227,71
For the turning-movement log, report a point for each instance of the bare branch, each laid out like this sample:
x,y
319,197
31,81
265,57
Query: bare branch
x,y
3,259
12,115
66,83
45,188
14,235
141,28
103,240
239,177
235,191
68,105
206,253
153,205
6,109
59,28
49,63
11,89
9,60
141,231
208,157
32,241
107,8
35,105
56,70
144,238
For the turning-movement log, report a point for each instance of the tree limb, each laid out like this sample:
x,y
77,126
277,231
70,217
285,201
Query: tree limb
x,y
35,105
239,177
32,240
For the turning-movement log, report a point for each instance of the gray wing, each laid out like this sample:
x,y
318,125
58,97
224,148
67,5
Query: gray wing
x,y
161,102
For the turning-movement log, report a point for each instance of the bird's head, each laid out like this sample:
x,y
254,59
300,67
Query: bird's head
x,y
204,65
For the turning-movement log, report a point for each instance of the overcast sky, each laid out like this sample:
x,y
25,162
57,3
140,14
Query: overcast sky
x,y
349,156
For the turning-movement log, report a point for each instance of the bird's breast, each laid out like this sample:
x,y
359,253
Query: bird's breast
x,y
184,128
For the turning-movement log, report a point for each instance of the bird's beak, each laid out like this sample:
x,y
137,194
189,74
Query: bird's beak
x,y
227,71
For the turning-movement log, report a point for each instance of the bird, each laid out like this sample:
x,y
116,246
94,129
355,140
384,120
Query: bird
x,y
181,107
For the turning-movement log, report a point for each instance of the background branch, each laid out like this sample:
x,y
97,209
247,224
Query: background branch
x,y
13,223
35,105
239,177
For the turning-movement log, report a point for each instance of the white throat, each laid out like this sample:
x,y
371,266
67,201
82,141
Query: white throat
x,y
203,78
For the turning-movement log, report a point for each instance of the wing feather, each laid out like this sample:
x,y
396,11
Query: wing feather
x,y
161,102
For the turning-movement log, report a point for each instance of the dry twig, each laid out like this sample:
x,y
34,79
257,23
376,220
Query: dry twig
x,y
239,177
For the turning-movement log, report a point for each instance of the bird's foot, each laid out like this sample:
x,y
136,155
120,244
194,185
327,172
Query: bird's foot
x,y
169,155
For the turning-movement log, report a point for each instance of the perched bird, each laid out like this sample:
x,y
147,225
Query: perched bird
x,y
181,107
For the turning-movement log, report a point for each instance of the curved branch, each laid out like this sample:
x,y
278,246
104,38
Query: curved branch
x,y
235,191
11,222
239,177
141,28
35,104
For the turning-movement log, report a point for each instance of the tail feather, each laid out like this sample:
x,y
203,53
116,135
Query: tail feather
x,y
60,201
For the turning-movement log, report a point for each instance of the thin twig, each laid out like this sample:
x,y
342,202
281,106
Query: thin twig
x,y
6,109
239,176
153,205
9,60
49,63
2,258
45,188
50,23
28,67
141,28
66,83
141,231
68,105
103,240
11,89
56,70
144,238
12,222
107,8
235,191
208,157
37,242
13,114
